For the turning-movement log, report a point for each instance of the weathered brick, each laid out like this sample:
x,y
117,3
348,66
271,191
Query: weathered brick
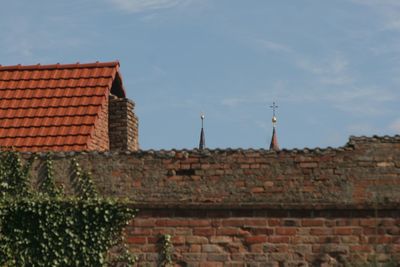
x,y
312,222
255,239
199,257
211,248
136,240
343,230
147,248
230,231
257,189
308,164
178,240
370,222
171,222
286,230
274,222
291,222
385,164
184,231
278,239
211,264
199,222
196,240
233,222
349,239
380,239
163,231
144,222
261,231
220,239
361,248
137,231
195,248
217,257
257,248
255,222
204,231
321,231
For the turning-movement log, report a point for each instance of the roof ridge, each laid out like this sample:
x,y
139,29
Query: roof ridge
x,y
43,135
61,66
49,116
45,145
61,78
54,106
58,87
47,126
50,97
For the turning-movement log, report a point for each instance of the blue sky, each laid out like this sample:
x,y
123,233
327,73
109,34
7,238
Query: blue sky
x,y
333,67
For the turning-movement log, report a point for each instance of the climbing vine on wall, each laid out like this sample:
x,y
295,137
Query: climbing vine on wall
x,y
166,248
45,227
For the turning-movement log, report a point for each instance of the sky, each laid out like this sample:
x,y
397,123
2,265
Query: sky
x,y
332,67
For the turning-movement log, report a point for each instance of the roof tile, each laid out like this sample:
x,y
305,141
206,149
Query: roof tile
x,y
52,107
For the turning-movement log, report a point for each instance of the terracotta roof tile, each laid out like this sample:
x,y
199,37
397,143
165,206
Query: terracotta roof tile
x,y
52,107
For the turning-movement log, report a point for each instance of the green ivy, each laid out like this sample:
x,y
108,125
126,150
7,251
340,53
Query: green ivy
x,y
47,185
46,228
166,249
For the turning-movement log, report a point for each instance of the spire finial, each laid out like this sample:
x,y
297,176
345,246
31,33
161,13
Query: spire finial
x,y
274,140
202,142
274,107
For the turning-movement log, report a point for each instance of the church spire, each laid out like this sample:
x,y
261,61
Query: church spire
x,y
202,143
274,140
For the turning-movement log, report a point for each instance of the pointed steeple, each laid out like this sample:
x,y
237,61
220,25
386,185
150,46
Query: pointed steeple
x,y
274,140
202,143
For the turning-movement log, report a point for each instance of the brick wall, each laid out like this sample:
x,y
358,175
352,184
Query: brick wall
x,y
310,207
268,237
123,124
100,139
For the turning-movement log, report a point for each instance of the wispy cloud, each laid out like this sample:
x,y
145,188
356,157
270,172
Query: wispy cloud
x,y
362,128
357,101
331,71
389,10
395,126
25,45
276,92
29,41
273,46
234,101
137,6
379,3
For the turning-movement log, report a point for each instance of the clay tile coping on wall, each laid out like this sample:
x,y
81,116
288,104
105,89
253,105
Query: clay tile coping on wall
x,y
172,153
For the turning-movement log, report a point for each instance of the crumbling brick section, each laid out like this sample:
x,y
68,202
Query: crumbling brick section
x,y
122,124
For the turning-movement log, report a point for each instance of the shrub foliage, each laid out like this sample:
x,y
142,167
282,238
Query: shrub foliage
x,y
45,227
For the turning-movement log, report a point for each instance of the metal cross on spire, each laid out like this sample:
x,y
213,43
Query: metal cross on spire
x,y
274,107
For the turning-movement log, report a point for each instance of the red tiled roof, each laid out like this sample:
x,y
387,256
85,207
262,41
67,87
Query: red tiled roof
x,y
53,107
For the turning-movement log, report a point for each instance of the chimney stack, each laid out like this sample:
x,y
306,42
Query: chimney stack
x,y
122,124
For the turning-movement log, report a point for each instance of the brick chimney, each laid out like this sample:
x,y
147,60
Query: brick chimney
x,y
122,124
